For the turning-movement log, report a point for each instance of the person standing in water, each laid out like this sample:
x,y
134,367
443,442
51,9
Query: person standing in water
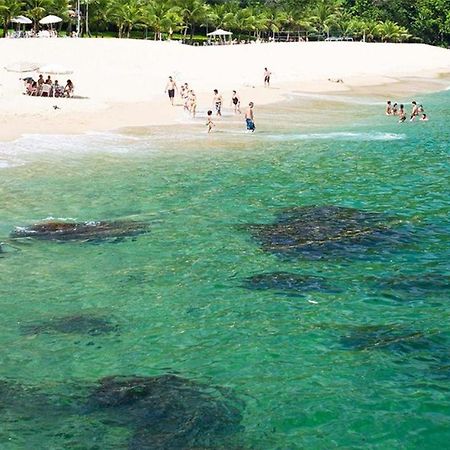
x,y
267,75
171,87
236,102
250,118
388,108
401,114
209,123
414,111
217,102
193,103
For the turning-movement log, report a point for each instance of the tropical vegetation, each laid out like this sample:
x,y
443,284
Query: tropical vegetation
x,y
370,20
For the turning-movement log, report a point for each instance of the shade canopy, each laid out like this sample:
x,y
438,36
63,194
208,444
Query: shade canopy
x,y
21,20
48,20
55,69
220,32
22,66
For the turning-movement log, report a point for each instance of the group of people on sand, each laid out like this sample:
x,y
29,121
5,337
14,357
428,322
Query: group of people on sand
x,y
47,87
394,109
189,100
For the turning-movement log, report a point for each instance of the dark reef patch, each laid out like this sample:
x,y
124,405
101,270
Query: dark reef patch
x,y
167,412
77,324
323,231
416,285
287,283
391,338
85,231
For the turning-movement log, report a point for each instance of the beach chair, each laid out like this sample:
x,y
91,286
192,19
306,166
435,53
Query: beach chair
x,y
46,90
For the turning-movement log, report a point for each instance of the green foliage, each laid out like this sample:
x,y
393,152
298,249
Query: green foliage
x,y
373,20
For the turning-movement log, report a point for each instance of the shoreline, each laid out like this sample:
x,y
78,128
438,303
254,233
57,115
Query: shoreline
x,y
122,98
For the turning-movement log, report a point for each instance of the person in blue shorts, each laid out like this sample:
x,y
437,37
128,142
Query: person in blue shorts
x,y
249,118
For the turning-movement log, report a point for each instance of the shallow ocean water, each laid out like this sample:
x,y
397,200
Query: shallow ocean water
x,y
364,363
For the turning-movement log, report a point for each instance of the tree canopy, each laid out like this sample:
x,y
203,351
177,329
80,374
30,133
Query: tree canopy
x,y
372,20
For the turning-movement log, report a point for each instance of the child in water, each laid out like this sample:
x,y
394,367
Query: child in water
x,y
209,123
424,117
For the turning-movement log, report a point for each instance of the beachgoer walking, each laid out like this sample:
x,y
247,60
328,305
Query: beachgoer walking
x,y
249,118
414,111
193,103
388,108
267,74
171,87
236,102
401,114
217,102
209,123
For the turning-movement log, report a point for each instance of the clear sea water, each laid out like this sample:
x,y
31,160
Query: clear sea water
x,y
363,365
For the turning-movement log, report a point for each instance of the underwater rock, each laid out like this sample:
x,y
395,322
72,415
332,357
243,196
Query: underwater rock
x,y
77,324
289,283
391,338
416,285
167,411
67,231
319,231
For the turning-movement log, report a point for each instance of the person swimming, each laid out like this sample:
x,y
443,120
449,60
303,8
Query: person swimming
x,y
424,118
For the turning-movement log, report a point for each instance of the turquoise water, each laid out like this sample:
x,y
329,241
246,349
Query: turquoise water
x,y
308,366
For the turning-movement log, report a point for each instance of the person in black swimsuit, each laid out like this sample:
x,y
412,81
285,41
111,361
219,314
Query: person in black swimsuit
x,y
236,102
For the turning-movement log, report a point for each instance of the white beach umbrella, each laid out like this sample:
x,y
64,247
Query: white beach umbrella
x,y
55,69
22,66
220,32
22,20
48,20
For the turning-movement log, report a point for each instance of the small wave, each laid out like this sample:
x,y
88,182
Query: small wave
x,y
339,135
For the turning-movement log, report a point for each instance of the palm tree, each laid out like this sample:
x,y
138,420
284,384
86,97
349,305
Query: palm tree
x,y
126,15
222,15
275,20
391,32
161,16
368,29
344,23
8,10
37,9
193,12
323,15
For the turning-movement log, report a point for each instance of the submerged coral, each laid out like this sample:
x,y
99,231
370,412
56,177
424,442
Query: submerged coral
x,y
66,231
77,324
287,283
167,411
319,231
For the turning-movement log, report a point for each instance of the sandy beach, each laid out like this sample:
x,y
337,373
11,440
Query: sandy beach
x,y
120,83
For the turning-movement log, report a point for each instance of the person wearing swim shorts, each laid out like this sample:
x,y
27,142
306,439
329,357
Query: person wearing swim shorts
x,y
236,102
217,102
249,118
171,87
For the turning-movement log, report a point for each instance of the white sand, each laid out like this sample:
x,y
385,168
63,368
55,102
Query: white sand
x,y
122,81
